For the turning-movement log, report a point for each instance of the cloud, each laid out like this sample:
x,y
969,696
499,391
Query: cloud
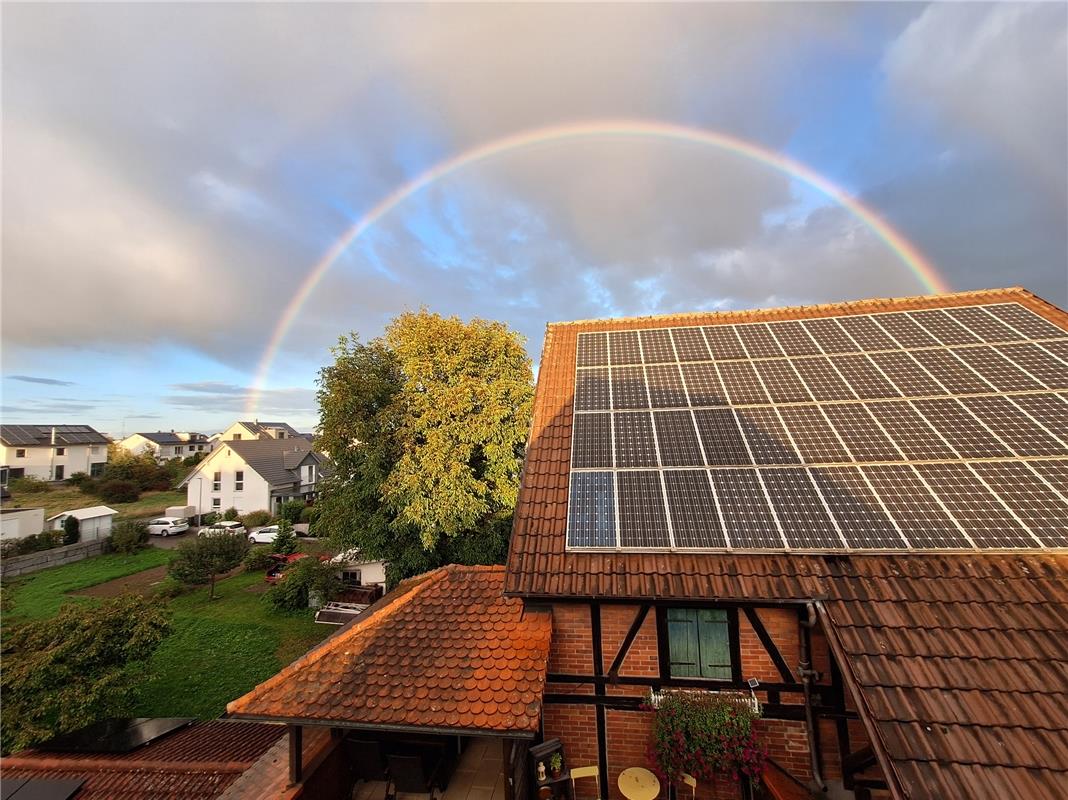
x,y
292,400
36,379
45,407
210,387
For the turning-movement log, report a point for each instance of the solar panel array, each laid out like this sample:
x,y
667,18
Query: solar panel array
x,y
933,429
42,434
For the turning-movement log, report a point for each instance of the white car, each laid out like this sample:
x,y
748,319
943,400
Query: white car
x,y
263,535
165,526
226,527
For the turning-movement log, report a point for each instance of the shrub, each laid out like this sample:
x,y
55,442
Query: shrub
x,y
209,519
300,579
256,519
28,485
199,561
78,478
118,491
129,536
71,530
45,540
291,511
230,514
8,549
90,486
168,588
258,558
286,540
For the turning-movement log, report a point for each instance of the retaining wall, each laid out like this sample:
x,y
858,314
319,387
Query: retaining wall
x,y
33,562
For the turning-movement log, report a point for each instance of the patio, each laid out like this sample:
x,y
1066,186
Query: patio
x,y
478,776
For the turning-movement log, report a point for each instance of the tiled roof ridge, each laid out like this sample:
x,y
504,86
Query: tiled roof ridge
x,y
430,578
863,305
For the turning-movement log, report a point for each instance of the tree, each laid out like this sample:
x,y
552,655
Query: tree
x,y
285,542
129,536
77,667
231,514
300,579
425,429
291,510
71,528
200,560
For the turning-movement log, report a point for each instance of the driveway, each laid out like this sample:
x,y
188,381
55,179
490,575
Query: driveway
x,y
171,542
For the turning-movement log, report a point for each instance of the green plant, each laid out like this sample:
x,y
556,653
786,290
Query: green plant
x,y
258,558
77,479
256,519
168,588
71,530
28,484
556,762
209,519
201,560
129,536
291,511
118,491
45,540
286,540
299,581
309,514
231,514
705,734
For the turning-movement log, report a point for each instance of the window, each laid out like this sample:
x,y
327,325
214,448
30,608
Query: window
x,y
281,434
97,469
216,482
3,476
237,436
16,472
59,473
177,451
61,451
200,447
20,453
94,450
216,502
239,481
699,643
352,577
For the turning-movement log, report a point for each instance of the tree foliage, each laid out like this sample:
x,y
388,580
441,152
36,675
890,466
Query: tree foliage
x,y
71,530
300,580
285,542
291,510
201,560
425,428
76,668
129,536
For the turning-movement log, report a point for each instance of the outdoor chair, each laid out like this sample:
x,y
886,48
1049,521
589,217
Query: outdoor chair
x,y
410,774
585,772
691,782
366,760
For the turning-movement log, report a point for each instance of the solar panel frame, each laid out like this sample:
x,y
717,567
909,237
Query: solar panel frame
x,y
592,349
952,373
905,330
1054,472
666,387
813,436
966,434
629,389
591,441
943,327
742,383
781,381
723,342
910,432
691,501
677,440
794,339
656,346
830,336
1043,510
1058,347
634,443
864,377
863,521
822,380
1038,362
907,374
1030,324
703,385
918,513
748,519
1050,410
862,435
624,348
593,390
721,437
1015,428
983,324
690,344
799,507
995,369
766,437
642,512
758,341
591,519
867,333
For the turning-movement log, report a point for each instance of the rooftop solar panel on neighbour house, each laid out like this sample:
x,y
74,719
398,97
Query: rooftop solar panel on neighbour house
x,y
903,429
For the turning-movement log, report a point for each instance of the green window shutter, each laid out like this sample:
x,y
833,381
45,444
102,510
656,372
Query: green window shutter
x,y
714,644
684,651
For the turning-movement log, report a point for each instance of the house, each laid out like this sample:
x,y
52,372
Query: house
x,y
853,516
254,474
18,523
94,522
166,445
147,759
50,452
259,430
358,570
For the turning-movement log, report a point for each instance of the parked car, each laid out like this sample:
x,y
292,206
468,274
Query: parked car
x,y
264,535
225,527
165,526
279,564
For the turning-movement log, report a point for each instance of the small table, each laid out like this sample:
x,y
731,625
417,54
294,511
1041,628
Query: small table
x,y
638,783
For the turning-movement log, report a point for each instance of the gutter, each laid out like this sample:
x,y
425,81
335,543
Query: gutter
x,y
807,675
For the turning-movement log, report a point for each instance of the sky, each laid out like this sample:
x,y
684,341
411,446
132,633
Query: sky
x,y
173,173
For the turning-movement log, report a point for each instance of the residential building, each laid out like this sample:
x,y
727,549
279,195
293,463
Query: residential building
x,y
243,431
254,474
94,522
50,452
167,445
18,523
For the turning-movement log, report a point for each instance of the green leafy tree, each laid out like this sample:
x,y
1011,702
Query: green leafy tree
x,y
302,578
76,668
291,510
201,560
425,429
71,530
286,540
231,514
129,536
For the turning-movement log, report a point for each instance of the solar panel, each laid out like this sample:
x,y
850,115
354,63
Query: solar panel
x,y
742,383
591,519
591,445
862,435
905,330
758,341
666,389
723,342
41,788
822,380
943,327
634,442
830,336
799,509
591,390
996,370
767,438
907,375
628,388
794,339
813,435
624,348
952,373
642,517
703,385
866,332
1049,410
1022,434
1039,363
695,520
918,514
1055,473
988,522
984,324
677,437
864,377
965,433
781,381
1059,348
116,735
909,431
593,349
1025,321
657,347
1040,508
721,436
744,507
690,344
860,516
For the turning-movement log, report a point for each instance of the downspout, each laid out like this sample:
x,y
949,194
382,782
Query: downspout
x,y
807,676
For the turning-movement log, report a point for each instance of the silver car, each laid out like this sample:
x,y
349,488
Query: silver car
x,y
226,527
165,526
264,535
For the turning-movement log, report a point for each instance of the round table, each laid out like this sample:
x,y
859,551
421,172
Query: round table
x,y
638,783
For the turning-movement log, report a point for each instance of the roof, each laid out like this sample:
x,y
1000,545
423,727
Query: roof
x,y
444,651
41,435
86,513
194,763
161,437
275,460
539,563
258,426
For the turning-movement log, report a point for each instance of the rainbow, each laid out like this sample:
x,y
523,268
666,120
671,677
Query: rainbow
x,y
621,129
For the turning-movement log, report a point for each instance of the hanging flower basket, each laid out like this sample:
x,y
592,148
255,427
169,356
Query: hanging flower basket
x,y
705,734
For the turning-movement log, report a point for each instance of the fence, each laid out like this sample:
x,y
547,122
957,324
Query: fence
x,y
32,562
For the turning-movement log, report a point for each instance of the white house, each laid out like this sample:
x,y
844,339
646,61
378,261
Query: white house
x,y
255,474
93,523
50,452
243,431
166,445
18,523
359,571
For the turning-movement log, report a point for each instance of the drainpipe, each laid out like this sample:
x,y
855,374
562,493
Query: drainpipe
x,y
808,675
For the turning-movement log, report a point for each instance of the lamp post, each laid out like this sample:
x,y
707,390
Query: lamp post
x,y
200,499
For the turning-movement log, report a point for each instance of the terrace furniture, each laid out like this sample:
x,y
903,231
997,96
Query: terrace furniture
x,y
638,783
690,781
413,774
584,772
366,759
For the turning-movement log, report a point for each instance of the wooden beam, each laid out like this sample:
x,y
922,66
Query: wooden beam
x,y
296,754
628,640
858,761
600,691
769,644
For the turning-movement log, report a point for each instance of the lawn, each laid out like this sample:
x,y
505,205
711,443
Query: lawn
x,y
63,498
219,649
39,596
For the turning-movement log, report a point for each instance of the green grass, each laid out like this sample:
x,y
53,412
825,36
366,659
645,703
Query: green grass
x,y
220,649
40,595
63,498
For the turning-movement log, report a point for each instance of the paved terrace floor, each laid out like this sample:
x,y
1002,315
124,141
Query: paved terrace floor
x,y
477,777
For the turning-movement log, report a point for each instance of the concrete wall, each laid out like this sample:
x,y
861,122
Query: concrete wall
x,y
18,523
34,562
